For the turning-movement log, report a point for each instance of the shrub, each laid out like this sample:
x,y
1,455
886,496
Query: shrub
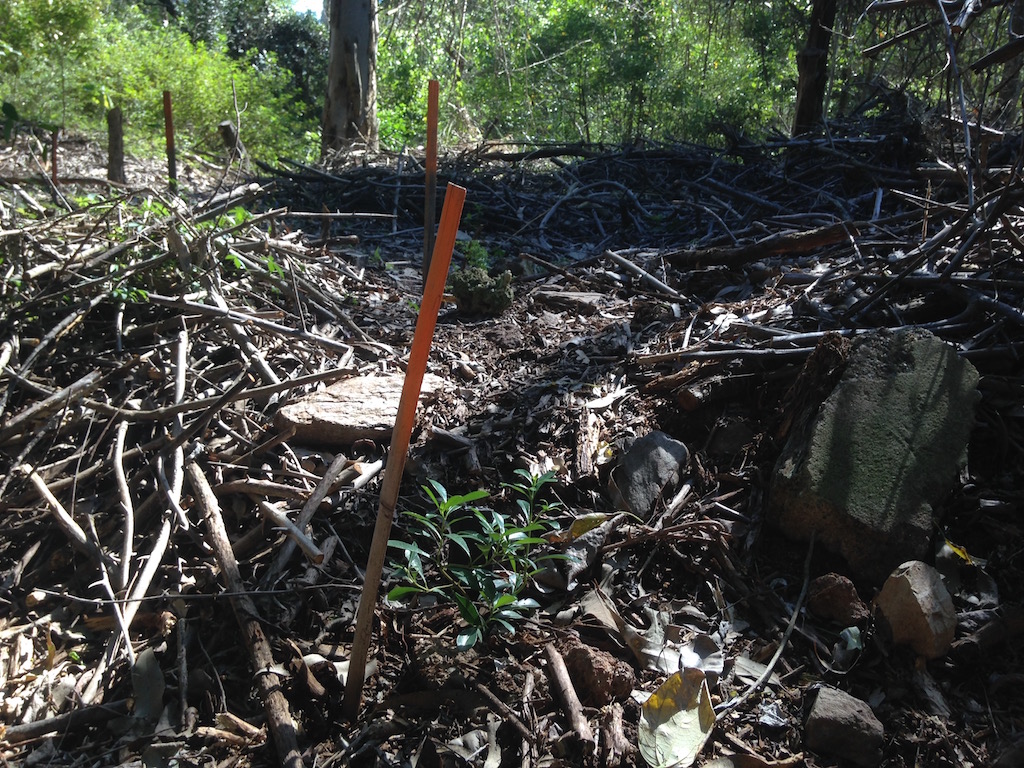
x,y
131,61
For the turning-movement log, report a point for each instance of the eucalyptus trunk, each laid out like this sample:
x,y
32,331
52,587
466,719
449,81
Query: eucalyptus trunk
x,y
812,68
350,110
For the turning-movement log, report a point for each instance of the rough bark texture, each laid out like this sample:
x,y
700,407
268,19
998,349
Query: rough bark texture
x,y
812,67
350,110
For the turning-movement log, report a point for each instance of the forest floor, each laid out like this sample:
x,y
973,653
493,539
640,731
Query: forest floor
x,y
147,343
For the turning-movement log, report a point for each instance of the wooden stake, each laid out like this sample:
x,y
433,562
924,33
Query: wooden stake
x,y
451,214
431,178
172,163
55,141
115,145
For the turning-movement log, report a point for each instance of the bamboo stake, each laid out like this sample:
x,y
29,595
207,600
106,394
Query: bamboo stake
x,y
451,214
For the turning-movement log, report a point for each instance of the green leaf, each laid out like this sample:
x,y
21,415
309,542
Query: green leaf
x,y
397,593
441,497
489,589
468,610
427,523
510,628
525,541
467,498
467,638
503,600
460,540
414,556
547,477
407,547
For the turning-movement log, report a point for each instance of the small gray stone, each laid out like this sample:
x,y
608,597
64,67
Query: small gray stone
x,y
652,464
843,725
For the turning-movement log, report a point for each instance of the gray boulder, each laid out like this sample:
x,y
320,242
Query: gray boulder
x,y
884,447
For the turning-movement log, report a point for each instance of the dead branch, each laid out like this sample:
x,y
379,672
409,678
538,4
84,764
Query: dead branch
x,y
570,701
279,720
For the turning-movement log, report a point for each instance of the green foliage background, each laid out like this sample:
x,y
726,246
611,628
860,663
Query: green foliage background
x,y
559,70
123,55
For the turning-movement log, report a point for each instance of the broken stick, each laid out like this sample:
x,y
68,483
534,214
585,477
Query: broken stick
x,y
275,705
567,694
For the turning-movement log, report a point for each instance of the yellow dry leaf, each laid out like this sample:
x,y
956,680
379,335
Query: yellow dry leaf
x,y
676,721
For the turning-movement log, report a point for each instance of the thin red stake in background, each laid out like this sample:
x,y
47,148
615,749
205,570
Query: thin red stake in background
x,y
172,162
431,177
53,156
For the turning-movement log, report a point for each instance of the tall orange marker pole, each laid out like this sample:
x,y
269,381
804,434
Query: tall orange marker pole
x,y
451,214
431,179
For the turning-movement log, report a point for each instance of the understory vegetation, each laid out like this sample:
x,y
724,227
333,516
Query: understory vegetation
x,y
561,71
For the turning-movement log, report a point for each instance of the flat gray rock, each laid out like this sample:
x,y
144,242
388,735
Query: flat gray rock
x,y
885,446
844,726
362,407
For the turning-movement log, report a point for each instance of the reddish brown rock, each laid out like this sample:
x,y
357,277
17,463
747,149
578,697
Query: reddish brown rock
x,y
599,677
834,597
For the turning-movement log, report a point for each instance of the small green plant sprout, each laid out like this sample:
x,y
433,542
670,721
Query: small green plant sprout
x,y
232,259
238,215
273,267
121,288
477,255
477,558
529,489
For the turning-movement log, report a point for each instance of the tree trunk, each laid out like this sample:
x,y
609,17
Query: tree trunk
x,y
812,67
350,111
1009,90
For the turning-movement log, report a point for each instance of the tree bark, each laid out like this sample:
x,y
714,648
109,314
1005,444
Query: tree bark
x,y
350,110
812,68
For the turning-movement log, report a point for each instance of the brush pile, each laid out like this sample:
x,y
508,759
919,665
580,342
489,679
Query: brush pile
x,y
152,505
